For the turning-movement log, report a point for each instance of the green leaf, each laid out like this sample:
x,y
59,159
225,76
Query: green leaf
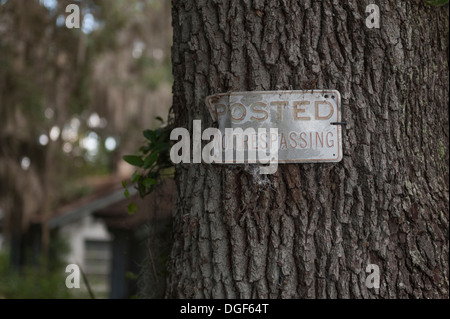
x,y
148,182
132,208
124,184
147,134
142,190
126,193
437,3
135,177
144,149
165,146
150,135
133,160
150,160
130,275
159,118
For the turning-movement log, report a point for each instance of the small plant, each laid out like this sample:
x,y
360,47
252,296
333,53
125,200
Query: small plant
x,y
437,3
43,280
153,161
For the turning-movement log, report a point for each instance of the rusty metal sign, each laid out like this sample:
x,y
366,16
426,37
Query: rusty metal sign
x,y
307,121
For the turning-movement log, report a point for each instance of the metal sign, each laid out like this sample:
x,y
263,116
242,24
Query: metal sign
x,y
307,121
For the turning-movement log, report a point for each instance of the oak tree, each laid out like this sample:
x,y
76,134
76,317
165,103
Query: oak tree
x,y
310,230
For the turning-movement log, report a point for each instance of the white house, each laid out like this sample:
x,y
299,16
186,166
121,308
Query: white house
x,y
105,241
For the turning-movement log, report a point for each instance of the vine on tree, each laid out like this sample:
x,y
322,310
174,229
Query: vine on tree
x,y
437,3
153,161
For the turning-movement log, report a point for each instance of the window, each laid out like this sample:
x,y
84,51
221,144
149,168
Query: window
x,y
97,260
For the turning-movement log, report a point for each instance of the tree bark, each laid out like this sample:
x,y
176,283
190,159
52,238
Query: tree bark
x,y
310,230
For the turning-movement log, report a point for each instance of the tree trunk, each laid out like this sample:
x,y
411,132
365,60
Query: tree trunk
x,y
310,230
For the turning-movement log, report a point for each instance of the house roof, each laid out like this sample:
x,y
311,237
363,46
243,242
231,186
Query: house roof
x,y
109,203
156,206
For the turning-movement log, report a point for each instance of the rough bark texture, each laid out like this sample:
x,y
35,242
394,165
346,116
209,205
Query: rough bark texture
x,y
310,230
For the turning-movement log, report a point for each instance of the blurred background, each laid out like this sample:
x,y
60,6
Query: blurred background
x,y
73,101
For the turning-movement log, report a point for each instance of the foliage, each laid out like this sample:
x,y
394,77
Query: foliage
x,y
52,77
437,3
153,73
43,281
153,161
